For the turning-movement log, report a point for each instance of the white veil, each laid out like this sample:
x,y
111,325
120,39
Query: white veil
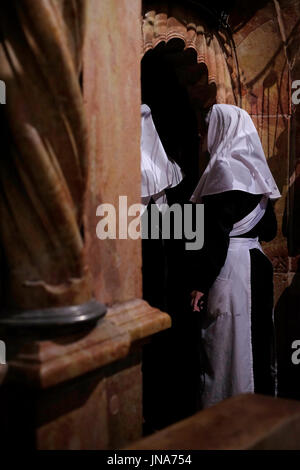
x,y
237,160
158,171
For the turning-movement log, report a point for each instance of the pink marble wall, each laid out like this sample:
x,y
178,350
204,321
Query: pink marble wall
x,y
266,96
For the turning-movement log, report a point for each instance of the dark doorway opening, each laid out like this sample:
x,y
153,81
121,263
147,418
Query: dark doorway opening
x,y
171,373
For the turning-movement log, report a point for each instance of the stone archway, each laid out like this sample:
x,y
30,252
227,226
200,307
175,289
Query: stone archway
x,y
182,29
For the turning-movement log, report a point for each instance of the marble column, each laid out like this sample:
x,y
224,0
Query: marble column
x,y
71,313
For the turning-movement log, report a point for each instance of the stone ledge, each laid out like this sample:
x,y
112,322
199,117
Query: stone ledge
x,y
138,318
42,364
243,422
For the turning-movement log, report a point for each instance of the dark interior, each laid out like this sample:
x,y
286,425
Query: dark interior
x,y
169,366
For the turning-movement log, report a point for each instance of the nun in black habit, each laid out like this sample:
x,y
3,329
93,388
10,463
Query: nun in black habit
x,y
230,278
169,393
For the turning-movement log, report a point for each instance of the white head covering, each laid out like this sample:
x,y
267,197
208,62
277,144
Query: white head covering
x,y
158,171
237,160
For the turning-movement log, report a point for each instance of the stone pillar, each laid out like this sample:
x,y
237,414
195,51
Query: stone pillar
x,y
70,131
43,173
112,95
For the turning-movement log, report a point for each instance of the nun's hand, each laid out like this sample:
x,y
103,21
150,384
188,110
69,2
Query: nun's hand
x,y
196,302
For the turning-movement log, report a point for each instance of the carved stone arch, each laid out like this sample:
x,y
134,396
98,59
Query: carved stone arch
x,y
183,28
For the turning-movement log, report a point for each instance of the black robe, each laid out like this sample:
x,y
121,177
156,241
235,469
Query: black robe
x,y
221,211
173,361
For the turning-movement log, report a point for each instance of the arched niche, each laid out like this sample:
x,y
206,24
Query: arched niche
x,y
186,64
184,29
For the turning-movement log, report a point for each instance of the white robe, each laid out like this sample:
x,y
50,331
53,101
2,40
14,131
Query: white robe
x,y
226,331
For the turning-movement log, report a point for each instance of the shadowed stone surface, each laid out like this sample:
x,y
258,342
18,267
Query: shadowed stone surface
x,y
239,423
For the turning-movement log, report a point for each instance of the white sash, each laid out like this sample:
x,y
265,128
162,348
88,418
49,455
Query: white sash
x,y
249,221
